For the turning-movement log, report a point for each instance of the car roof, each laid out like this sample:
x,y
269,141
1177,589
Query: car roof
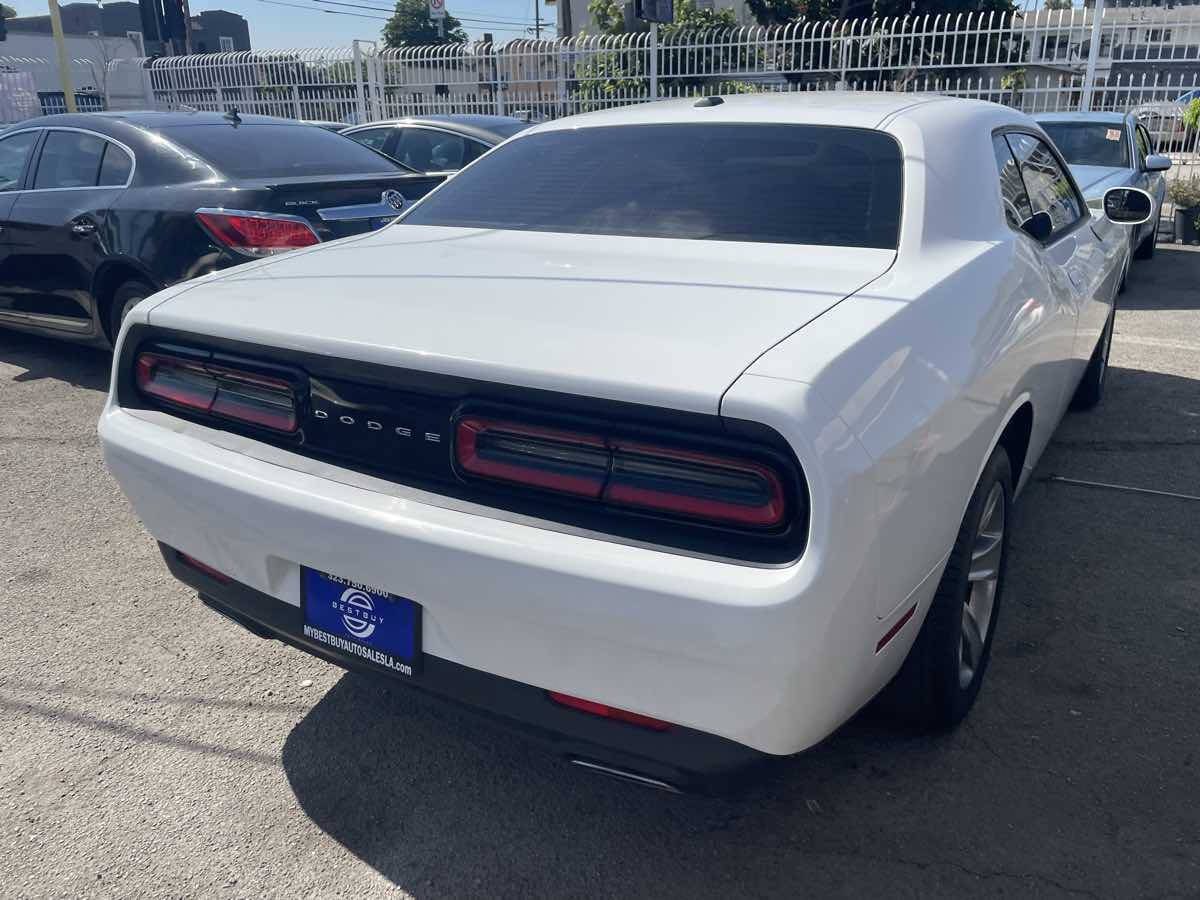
x,y
1105,118
151,120
480,126
860,109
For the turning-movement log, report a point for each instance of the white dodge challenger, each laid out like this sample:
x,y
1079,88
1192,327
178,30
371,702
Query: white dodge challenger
x,y
672,433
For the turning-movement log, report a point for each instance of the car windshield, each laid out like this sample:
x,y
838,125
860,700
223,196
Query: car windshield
x,y
1090,143
253,150
789,184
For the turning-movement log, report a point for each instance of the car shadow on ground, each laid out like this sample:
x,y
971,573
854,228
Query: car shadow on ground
x,y
82,366
1169,281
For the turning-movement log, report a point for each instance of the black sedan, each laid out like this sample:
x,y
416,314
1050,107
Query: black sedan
x,y
98,211
437,144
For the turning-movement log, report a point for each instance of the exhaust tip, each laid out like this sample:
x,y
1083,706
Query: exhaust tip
x,y
624,775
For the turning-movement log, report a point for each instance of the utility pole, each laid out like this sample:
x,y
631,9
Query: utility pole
x,y
1089,77
64,68
537,19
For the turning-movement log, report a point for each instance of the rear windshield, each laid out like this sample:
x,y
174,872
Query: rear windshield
x,y
268,151
789,184
1090,143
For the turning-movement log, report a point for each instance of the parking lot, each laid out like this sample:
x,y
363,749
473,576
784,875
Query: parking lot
x,y
148,747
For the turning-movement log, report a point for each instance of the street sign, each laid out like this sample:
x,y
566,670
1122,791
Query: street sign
x,y
654,10
437,9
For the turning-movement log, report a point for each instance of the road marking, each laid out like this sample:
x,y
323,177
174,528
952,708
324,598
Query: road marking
x,y
1121,487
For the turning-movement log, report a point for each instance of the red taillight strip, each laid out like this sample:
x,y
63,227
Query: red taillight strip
x,y
622,487
609,712
624,473
570,475
218,390
895,629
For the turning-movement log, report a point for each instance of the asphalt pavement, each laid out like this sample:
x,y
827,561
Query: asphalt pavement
x,y
148,748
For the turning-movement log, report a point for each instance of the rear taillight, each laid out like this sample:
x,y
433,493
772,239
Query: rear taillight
x,y
609,712
257,233
710,487
218,390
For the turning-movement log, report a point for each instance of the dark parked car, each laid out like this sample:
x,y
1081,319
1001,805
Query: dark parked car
x,y
437,144
98,211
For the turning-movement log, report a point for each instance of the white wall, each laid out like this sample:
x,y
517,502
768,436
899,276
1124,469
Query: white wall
x,y
93,50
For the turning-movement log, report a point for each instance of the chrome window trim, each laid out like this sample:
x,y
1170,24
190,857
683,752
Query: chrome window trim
x,y
82,187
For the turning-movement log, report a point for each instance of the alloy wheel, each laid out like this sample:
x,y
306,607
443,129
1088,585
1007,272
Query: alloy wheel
x,y
983,580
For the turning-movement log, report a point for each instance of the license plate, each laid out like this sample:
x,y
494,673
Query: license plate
x,y
361,621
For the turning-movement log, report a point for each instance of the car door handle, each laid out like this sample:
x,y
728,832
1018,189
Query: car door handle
x,y
83,226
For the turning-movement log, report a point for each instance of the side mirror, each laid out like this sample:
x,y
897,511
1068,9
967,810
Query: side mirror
x,y
1128,206
1039,227
1156,162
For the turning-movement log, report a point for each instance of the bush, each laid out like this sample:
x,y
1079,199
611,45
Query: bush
x,y
1191,115
1185,193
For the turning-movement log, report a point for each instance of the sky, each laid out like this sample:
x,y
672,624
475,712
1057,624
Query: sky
x,y
275,26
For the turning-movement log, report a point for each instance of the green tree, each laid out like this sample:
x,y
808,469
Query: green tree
x,y
1057,4
7,12
411,26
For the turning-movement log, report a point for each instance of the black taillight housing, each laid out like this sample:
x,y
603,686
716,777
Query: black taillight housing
x,y
197,383
723,487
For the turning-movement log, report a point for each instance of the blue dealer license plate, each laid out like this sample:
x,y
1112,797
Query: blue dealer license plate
x,y
361,621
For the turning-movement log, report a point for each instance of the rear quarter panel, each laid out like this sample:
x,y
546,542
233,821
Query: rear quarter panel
x,y
926,364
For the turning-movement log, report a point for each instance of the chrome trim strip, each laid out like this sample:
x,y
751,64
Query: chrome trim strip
x,y
361,211
42,320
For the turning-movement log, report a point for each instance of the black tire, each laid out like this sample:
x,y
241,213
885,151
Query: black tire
x,y
124,298
1145,250
932,690
1091,386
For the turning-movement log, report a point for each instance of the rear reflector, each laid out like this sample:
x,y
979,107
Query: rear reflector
x,y
203,568
257,233
718,489
217,390
609,712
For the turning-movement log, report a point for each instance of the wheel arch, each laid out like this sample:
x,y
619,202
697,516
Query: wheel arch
x,y
1015,435
110,275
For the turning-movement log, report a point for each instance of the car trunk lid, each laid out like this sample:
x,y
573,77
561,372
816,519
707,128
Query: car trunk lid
x,y
342,205
656,321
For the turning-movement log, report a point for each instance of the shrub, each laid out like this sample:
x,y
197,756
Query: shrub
x,y
1185,193
1191,115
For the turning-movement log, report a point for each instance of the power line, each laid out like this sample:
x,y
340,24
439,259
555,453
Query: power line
x,y
529,22
328,12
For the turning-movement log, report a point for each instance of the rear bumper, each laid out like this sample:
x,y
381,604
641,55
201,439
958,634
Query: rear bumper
x,y
679,758
772,659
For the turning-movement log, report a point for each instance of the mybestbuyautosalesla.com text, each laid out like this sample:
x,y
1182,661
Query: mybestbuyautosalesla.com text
x,y
368,653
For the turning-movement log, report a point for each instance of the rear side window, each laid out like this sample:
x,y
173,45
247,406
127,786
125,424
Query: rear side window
x,y
1049,188
69,159
375,138
278,151
116,167
790,184
14,153
1017,210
